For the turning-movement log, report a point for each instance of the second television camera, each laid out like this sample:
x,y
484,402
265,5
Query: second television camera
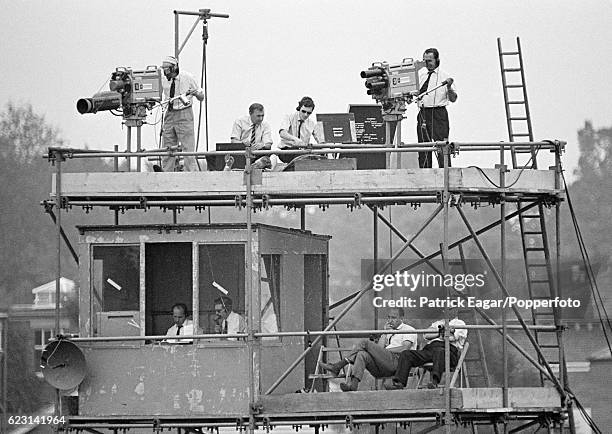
x,y
386,82
132,91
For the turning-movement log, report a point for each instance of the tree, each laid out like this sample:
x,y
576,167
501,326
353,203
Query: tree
x,y
24,135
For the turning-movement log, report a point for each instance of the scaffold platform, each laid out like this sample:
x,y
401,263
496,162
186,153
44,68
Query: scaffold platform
x,y
363,407
389,186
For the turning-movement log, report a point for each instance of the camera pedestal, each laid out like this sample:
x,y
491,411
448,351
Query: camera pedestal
x,y
130,122
393,114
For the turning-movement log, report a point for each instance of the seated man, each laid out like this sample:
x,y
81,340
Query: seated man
x,y
433,352
380,358
252,131
227,322
296,130
182,326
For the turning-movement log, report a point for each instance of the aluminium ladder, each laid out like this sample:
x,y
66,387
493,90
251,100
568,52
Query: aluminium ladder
x,y
536,254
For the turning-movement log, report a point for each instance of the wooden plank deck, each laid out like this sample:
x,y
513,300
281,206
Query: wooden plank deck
x,y
424,405
300,184
411,401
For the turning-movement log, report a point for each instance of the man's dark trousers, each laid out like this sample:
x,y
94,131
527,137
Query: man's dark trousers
x,y
432,352
432,126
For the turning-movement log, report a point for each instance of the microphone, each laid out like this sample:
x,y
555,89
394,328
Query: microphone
x,y
448,81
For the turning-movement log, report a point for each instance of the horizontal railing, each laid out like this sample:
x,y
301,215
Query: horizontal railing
x,y
345,333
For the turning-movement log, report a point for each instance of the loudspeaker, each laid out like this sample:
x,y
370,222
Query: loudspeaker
x,y
63,365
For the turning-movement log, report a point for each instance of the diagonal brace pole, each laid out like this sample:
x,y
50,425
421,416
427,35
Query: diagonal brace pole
x,y
49,211
480,311
514,308
437,253
469,237
354,300
397,232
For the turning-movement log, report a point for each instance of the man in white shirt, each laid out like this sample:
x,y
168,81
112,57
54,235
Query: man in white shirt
x,y
432,119
379,358
252,131
296,130
227,321
433,352
182,326
178,120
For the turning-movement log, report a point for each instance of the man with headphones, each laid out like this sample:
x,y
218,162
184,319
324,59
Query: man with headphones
x,y
432,119
296,129
178,120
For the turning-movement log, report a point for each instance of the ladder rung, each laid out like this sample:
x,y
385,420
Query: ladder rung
x,y
514,85
509,53
521,118
548,346
532,233
512,69
522,151
328,349
530,216
521,134
524,167
537,265
516,102
535,249
540,281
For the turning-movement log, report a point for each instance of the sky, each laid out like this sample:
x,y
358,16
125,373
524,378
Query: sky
x,y
274,52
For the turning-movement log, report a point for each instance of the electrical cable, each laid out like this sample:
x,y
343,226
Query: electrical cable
x,y
588,267
203,84
517,178
100,88
596,295
589,420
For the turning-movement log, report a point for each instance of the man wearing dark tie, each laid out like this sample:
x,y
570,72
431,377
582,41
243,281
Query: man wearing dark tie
x,y
252,131
227,321
297,129
182,326
432,119
178,120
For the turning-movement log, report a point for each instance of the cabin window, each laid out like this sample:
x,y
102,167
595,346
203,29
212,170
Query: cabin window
x,y
115,290
221,273
168,281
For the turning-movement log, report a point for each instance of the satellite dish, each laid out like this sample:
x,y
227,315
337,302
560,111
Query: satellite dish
x,y
63,365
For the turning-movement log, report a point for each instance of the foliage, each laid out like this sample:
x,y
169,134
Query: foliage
x,y
28,235
591,192
24,387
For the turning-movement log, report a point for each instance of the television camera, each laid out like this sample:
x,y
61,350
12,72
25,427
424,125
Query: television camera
x,y
131,91
393,85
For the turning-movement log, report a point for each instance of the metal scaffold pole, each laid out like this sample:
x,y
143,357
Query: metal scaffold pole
x,y
448,417
58,156
252,308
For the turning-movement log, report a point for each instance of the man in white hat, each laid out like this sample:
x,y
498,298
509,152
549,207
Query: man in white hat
x,y
178,120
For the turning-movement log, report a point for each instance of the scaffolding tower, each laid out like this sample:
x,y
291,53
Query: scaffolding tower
x,y
448,189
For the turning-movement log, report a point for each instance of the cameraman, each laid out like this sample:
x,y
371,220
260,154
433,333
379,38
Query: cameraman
x,y
432,119
178,120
